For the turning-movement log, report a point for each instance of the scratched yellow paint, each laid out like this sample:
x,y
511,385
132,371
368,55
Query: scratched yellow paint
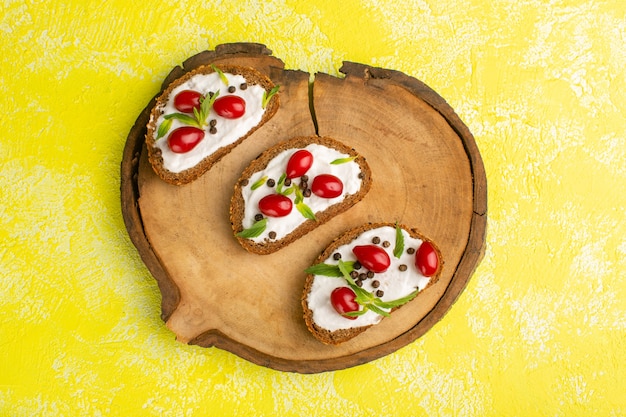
x,y
541,327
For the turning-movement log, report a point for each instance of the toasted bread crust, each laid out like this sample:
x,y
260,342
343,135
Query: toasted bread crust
x,y
342,335
252,76
237,206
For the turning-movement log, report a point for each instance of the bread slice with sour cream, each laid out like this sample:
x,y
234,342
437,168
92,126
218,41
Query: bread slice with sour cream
x,y
221,131
379,293
262,231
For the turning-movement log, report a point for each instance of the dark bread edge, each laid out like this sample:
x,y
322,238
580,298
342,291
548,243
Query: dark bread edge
x,y
342,335
252,76
237,207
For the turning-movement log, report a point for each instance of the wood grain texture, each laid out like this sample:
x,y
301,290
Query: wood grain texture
x,y
427,173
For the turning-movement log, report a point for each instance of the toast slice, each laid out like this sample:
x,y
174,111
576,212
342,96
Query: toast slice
x,y
292,188
352,285
203,115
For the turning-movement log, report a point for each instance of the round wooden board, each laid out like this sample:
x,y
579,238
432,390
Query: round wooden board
x,y
427,174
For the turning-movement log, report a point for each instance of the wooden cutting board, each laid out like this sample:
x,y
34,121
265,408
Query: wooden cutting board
x,y
427,173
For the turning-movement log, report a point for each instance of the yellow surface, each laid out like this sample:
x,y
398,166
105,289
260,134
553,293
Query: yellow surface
x,y
541,327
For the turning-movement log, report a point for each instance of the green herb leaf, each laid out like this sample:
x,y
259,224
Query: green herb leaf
x,y
255,230
325,270
259,182
399,248
183,118
306,211
206,105
221,74
398,302
300,205
366,299
343,160
377,310
362,297
299,196
164,127
355,313
328,270
281,183
288,191
197,115
345,268
267,97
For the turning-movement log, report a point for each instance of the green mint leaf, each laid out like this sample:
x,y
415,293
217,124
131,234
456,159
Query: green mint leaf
x,y
378,310
164,127
281,183
366,299
325,270
255,230
343,160
355,313
183,118
267,97
198,116
363,297
206,105
345,267
289,190
306,211
396,303
299,197
399,248
221,74
259,182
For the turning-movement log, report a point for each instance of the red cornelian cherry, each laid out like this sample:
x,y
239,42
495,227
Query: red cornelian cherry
x,y
327,186
187,100
372,257
275,205
230,107
342,300
299,164
427,259
184,139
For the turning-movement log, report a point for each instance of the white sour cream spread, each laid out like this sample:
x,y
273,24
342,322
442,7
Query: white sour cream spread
x,y
322,157
228,130
394,282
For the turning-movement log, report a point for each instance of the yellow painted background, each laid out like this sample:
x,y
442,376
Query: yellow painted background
x,y
541,327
